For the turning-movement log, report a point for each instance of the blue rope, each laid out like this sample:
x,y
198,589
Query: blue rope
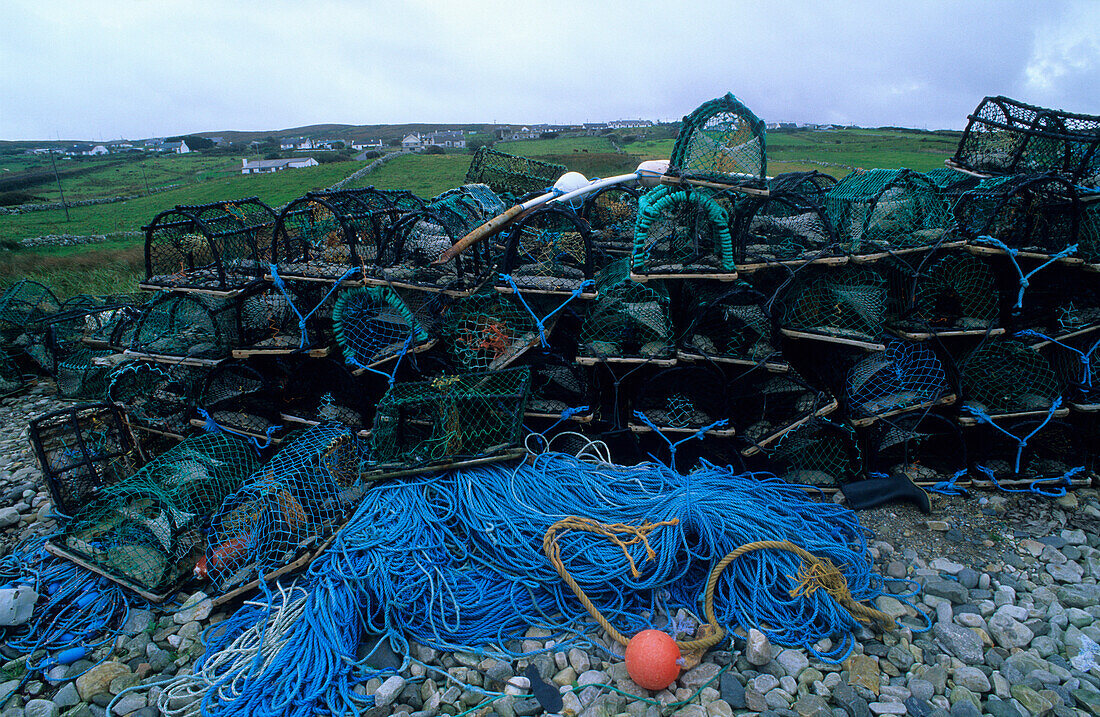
x,y
1036,487
949,487
212,426
672,447
1024,278
1021,443
392,375
541,323
1085,357
302,319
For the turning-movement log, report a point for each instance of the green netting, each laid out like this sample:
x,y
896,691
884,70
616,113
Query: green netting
x,y
886,210
721,141
1088,233
448,418
418,239
763,404
611,213
818,452
188,326
80,376
941,292
682,398
811,186
847,302
148,528
376,324
1005,136
627,319
1031,213
1076,362
549,250
285,506
514,175
219,246
11,378
22,305
786,227
1059,299
902,377
488,330
156,397
269,319
1007,376
682,230
82,450
728,323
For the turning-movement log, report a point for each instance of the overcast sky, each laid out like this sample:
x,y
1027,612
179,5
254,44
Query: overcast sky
x,y
104,69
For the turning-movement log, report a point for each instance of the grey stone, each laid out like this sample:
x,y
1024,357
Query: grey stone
x,y
129,702
66,696
45,708
961,642
853,704
388,691
965,708
917,707
792,661
1009,633
732,691
759,649
1079,596
948,589
922,690
8,517
968,578
972,679
1002,708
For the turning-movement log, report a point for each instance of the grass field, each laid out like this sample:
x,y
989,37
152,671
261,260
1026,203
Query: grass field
x,y
107,268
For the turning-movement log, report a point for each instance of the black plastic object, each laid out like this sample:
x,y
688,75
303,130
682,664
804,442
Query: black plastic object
x,y
873,492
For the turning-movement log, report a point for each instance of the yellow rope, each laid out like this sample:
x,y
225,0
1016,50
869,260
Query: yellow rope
x,y
814,573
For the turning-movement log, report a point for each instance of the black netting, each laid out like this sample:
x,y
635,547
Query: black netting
x,y
320,390
811,186
156,397
11,377
488,330
903,377
505,173
559,386
269,319
764,405
1057,303
943,293
785,228
817,452
241,398
549,251
924,447
23,304
82,374
727,323
1005,376
195,326
681,399
1027,449
611,213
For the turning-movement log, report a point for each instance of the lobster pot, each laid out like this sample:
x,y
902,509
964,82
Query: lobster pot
x,y
549,251
324,390
681,232
240,398
952,183
1005,376
811,186
376,324
559,387
1059,302
926,448
219,247
511,175
11,378
903,377
1076,363
300,495
680,400
764,405
1036,215
728,323
22,305
845,304
417,241
1005,136
146,531
721,141
885,211
156,397
82,451
627,321
785,228
450,418
1047,452
188,326
80,376
818,452
488,331
323,235
945,293
611,213
267,318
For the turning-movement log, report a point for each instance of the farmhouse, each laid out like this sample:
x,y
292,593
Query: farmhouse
x,y
179,147
629,123
412,141
446,138
296,143
266,166
360,146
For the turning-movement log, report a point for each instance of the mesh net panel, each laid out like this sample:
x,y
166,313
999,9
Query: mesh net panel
x,y
1006,376
942,292
763,404
240,397
82,451
1009,137
1058,301
611,213
24,302
1038,214
811,186
887,210
187,326
627,319
418,240
487,330
818,452
721,141
156,397
1048,452
459,416
1076,362
728,324
557,385
505,173
904,376
549,250
374,324
11,378
785,227
681,231
299,496
80,376
924,447
844,302
319,390
684,398
148,528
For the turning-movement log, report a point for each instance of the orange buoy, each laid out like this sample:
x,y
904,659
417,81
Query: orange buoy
x,y
652,659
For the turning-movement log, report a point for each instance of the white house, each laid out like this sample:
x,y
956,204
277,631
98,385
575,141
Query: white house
x,y
179,147
296,143
447,138
266,166
373,144
412,141
97,150
629,124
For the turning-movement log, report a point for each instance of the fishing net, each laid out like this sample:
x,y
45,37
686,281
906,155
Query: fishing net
x,y
903,377
1036,215
11,377
507,174
549,251
188,326
943,293
1076,363
376,324
818,452
811,186
242,399
418,239
926,448
1005,136
81,375
156,397
220,246
763,405
82,451
721,141
611,213
952,183
449,418
785,228
147,530
728,323
1057,303
627,320
290,316
488,330
1040,448
845,303
560,388
1004,376
24,303
887,210
325,390
286,506
682,231
682,399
